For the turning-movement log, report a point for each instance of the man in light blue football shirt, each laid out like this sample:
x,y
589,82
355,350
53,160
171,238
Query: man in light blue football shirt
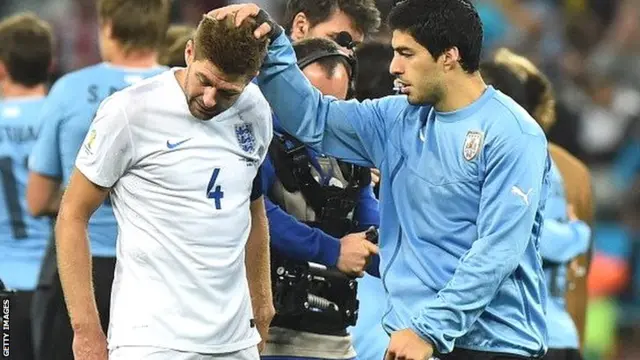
x,y
26,46
131,33
464,182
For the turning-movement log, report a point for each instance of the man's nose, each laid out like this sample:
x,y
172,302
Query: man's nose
x,y
395,67
209,97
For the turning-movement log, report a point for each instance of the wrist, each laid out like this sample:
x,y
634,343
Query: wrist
x,y
264,313
276,29
87,326
329,249
426,338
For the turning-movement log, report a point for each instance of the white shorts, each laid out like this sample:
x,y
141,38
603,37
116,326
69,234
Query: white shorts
x,y
155,353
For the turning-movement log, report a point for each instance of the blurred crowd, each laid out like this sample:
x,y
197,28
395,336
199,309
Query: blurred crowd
x,y
590,50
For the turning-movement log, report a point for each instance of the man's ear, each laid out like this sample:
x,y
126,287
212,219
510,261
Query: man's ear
x,y
189,52
300,27
451,58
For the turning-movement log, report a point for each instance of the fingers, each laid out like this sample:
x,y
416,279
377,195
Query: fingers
x,y
262,30
222,12
389,355
241,11
250,10
370,247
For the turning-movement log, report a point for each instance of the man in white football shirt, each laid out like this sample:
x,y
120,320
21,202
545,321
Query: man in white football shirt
x,y
179,156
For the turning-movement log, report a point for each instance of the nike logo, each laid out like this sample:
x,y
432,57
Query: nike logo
x,y
518,192
175,145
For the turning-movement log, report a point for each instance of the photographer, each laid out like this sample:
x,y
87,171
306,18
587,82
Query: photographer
x,y
318,208
305,19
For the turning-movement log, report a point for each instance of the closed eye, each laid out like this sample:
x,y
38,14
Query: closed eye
x,y
203,81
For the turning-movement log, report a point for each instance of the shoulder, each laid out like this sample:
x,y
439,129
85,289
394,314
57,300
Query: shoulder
x,y
508,127
78,77
253,101
252,107
512,118
136,99
149,86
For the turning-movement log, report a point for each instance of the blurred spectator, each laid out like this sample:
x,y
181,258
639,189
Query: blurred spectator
x,y
373,79
172,54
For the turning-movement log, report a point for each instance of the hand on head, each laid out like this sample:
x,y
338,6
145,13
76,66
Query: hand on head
x,y
266,27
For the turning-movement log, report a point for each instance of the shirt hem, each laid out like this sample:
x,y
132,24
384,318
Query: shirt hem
x,y
188,347
503,350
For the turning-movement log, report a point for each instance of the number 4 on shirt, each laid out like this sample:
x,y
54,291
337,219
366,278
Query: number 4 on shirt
x,y
215,191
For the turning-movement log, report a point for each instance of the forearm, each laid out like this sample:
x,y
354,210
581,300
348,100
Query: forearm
x,y
460,303
562,242
257,262
299,241
74,268
352,131
368,210
54,203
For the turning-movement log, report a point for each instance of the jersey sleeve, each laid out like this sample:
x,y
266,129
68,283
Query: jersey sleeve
x,y
107,150
45,154
256,189
349,130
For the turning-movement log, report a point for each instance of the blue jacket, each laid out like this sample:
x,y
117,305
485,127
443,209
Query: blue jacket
x,y
462,196
301,242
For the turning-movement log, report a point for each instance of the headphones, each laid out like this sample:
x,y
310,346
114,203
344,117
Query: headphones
x,y
345,40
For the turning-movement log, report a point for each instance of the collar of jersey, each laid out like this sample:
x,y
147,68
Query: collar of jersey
x,y
465,112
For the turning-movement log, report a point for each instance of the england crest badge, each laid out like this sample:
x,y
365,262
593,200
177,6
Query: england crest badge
x,y
245,137
472,144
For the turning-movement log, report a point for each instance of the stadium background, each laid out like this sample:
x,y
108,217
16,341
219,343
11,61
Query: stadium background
x,y
590,49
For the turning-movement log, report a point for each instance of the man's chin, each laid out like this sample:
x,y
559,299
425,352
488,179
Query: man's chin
x,y
202,115
415,101
418,101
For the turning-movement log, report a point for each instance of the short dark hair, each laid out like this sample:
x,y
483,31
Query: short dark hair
x,y
136,24
364,13
234,50
26,48
374,80
440,25
307,47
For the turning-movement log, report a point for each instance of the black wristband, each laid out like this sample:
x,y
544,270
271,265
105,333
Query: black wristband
x,y
264,17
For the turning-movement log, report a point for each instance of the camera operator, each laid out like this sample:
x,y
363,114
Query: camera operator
x,y
318,210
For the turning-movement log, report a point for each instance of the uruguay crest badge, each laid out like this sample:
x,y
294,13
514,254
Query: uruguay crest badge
x,y
246,138
472,144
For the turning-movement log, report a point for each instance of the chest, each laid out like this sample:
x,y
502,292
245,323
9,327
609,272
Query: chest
x,y
212,164
436,168
438,153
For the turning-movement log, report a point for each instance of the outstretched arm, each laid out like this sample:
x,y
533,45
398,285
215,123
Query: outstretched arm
x,y
349,130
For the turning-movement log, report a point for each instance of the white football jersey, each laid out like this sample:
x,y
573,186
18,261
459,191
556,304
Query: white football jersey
x,y
180,191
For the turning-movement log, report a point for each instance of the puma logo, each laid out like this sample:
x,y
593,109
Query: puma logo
x,y
518,192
